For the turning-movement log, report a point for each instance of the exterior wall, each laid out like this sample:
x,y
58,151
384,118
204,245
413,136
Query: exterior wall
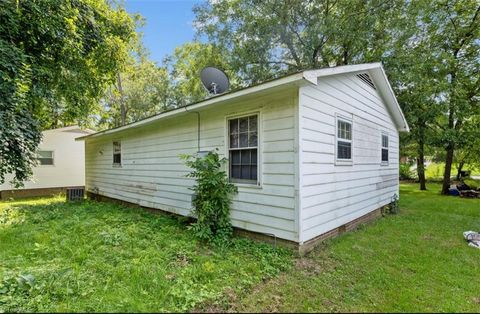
x,y
69,161
331,194
153,175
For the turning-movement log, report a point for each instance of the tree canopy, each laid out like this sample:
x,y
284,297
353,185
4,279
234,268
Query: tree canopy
x,y
269,38
56,59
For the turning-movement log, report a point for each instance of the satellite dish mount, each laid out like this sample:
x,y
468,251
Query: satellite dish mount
x,y
214,80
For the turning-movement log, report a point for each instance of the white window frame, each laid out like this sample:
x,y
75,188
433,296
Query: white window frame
x,y
342,161
384,163
258,113
53,157
114,164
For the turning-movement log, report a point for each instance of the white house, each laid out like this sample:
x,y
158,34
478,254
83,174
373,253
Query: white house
x,y
61,164
313,153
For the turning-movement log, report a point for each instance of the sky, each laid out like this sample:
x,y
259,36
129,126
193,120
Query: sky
x,y
168,23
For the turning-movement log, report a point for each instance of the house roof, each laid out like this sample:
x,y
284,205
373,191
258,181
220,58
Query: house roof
x,y
375,70
72,128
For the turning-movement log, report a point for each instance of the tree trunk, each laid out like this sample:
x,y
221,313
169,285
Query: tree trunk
x,y
421,165
448,170
460,168
123,112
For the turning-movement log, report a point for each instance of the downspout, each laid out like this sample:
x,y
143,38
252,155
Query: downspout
x,y
198,127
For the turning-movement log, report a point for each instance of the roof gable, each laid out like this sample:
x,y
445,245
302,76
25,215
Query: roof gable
x,y
380,80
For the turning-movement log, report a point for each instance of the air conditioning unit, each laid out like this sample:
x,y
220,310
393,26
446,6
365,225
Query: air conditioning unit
x,y
75,194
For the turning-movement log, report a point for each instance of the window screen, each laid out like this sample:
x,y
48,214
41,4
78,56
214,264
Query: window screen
x,y
45,157
117,153
384,148
344,140
243,149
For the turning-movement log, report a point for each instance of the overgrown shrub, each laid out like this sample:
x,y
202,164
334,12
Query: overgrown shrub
x,y
212,197
406,173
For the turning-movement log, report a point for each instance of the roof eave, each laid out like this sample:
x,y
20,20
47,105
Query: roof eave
x,y
296,78
386,91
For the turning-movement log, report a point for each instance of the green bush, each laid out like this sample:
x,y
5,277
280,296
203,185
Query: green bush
x,y
212,198
406,173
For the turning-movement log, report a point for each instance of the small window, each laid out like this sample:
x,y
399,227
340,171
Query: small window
x,y
384,148
243,149
344,140
117,153
45,157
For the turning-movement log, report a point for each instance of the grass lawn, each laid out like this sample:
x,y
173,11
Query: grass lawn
x,y
104,257
416,261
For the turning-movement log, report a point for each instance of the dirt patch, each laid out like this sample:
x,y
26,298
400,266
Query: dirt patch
x,y
308,266
427,237
224,305
232,302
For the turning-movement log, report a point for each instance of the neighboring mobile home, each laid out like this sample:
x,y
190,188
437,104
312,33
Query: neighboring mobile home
x,y
61,165
313,153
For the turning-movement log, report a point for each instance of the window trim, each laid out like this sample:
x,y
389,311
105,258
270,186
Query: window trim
x,y
341,161
228,117
114,164
53,157
382,162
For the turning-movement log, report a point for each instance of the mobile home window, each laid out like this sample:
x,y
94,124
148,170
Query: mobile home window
x,y
344,140
117,153
243,149
45,157
384,148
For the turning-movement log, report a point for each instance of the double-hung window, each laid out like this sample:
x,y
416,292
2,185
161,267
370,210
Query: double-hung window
x,y
45,157
384,148
344,140
117,153
243,149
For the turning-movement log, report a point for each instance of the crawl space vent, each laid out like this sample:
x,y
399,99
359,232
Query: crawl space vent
x,y
364,77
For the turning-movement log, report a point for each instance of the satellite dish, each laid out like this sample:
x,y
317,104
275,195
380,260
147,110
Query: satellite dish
x,y
214,80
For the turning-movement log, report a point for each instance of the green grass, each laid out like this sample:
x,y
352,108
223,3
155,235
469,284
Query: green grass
x,y
416,261
103,257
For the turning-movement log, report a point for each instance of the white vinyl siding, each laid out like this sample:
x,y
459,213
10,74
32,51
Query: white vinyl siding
x,y
153,175
332,194
61,164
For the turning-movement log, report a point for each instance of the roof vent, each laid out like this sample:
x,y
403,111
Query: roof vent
x,y
364,77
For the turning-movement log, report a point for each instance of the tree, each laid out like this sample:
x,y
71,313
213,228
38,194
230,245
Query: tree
x,y
145,92
412,75
186,63
264,39
454,42
469,154
56,58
